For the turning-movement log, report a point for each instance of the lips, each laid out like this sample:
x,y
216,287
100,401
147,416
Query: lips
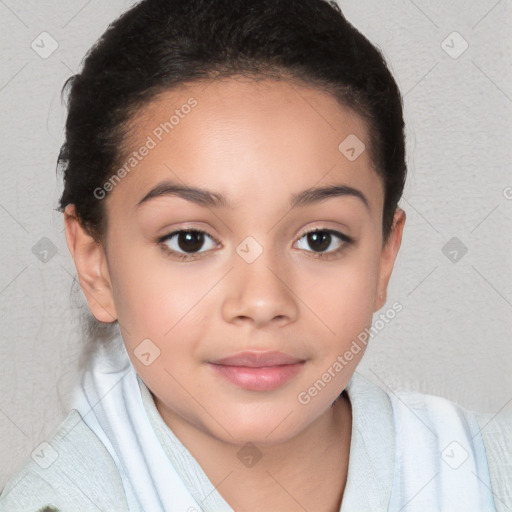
x,y
258,359
258,371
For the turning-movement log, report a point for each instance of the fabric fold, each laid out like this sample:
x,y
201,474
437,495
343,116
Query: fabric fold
x,y
110,403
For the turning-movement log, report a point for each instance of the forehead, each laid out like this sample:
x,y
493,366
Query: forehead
x,y
237,135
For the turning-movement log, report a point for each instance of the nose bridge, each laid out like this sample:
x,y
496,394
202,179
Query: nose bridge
x,y
259,290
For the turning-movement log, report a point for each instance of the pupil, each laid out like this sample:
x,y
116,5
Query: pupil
x,y
319,240
190,240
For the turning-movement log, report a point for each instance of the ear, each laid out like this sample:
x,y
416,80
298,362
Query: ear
x,y
388,256
91,266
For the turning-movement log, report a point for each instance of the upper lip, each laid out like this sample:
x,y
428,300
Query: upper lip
x,y
258,359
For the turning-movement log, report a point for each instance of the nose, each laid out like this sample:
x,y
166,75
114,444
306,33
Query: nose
x,y
260,293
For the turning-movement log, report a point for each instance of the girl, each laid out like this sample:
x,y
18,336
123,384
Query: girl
x,y
232,171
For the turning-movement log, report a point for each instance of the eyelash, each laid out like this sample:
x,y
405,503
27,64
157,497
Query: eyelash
x,y
346,241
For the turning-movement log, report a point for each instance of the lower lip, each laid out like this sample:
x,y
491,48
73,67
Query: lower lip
x,y
258,379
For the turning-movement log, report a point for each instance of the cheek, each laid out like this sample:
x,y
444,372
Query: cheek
x,y
155,296
343,300
342,295
160,313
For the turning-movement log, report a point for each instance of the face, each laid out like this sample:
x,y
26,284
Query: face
x,y
243,294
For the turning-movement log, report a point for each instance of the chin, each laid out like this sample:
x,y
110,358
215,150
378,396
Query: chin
x,y
261,428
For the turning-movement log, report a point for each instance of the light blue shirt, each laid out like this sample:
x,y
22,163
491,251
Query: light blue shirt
x,y
408,452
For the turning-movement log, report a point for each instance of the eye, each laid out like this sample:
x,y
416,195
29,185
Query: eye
x,y
185,243
324,243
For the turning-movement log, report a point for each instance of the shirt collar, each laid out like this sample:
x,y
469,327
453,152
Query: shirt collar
x,y
371,458
185,464
372,447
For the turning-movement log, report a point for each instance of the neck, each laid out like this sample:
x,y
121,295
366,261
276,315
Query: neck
x,y
307,472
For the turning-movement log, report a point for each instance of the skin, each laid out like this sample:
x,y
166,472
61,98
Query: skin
x,y
257,143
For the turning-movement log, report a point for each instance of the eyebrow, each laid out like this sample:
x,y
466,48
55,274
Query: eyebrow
x,y
207,198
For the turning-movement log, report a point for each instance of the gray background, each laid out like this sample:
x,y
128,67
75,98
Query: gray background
x,y
452,337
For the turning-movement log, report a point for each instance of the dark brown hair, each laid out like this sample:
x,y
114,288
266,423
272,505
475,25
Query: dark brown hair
x,y
160,44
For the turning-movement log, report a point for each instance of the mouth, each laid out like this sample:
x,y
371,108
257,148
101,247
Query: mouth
x,y
258,371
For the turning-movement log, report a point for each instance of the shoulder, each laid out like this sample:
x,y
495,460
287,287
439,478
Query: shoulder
x,y
72,471
469,451
496,430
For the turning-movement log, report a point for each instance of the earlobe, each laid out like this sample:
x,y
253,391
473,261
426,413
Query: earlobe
x,y
91,265
388,257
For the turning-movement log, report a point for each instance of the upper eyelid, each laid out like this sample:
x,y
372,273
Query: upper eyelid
x,y
170,234
332,231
